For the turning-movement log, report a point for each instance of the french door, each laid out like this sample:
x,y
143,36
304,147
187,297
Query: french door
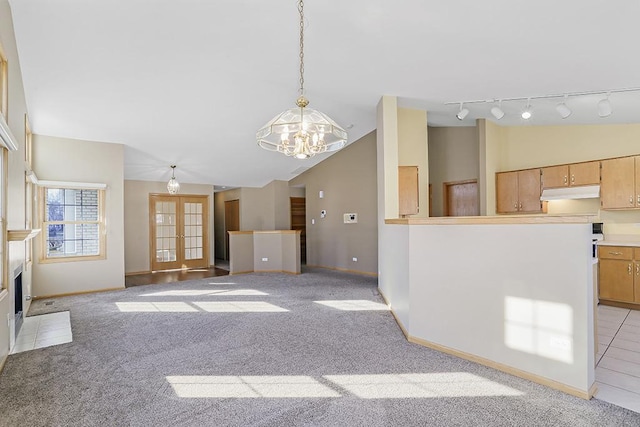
x,y
179,232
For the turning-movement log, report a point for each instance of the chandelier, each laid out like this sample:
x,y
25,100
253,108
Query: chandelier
x,y
173,186
301,132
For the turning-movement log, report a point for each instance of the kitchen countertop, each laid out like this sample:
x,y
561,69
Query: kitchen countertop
x,y
620,240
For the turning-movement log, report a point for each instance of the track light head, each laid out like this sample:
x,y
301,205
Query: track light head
x,y
604,107
462,113
526,114
562,108
497,111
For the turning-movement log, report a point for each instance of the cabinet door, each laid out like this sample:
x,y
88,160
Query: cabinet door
x,y
637,158
616,280
408,192
507,192
529,191
585,173
617,190
555,176
636,282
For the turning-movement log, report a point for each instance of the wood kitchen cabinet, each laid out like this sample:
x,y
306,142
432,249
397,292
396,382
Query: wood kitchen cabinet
x,y
619,277
408,190
573,175
518,191
620,187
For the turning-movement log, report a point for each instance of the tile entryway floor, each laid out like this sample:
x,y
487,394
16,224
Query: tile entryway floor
x,y
44,331
618,359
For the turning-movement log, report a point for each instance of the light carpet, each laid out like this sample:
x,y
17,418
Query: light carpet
x,y
260,350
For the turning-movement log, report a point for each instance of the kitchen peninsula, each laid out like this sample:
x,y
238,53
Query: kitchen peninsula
x,y
512,292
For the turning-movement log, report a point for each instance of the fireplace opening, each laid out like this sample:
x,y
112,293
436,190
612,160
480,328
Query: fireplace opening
x,y
17,287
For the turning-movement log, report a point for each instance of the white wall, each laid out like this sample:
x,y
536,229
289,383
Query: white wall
x,y
473,297
136,220
62,159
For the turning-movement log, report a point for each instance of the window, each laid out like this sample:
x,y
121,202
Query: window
x,y
73,225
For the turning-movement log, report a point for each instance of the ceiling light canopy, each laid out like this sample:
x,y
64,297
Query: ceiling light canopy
x,y
173,186
301,132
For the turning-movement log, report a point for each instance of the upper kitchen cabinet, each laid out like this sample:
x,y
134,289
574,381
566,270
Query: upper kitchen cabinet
x,y
620,187
408,190
576,174
518,191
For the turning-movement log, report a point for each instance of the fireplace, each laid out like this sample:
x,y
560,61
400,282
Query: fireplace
x,y
17,290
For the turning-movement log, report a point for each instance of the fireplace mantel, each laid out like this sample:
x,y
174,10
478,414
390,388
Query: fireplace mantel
x,y
22,235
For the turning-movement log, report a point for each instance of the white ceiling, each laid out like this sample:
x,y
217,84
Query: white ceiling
x,y
188,82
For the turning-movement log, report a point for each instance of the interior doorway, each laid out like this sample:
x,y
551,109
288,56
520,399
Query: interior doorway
x,y
299,222
231,222
179,231
460,198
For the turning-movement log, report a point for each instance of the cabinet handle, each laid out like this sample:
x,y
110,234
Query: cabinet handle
x,y
520,205
615,253
629,269
630,200
639,199
573,179
565,179
637,269
515,206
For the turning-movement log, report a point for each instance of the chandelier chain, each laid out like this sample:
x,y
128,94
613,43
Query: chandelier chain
x,y
301,10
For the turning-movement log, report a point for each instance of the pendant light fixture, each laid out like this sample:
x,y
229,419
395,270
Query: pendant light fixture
x,y
301,132
173,186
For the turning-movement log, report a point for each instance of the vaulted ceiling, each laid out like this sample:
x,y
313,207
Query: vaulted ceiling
x,y
188,82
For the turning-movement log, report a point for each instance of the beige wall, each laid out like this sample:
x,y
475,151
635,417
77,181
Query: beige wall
x,y
266,208
62,159
348,180
453,156
413,151
491,140
136,220
15,200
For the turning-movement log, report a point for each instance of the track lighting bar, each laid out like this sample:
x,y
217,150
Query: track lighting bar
x,y
563,95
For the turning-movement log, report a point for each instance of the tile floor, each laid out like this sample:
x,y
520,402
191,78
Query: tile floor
x,y
44,331
618,359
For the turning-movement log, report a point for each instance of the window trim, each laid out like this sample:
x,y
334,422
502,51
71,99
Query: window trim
x,y
4,84
102,233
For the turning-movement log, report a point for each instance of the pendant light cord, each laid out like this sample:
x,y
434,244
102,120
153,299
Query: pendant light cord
x,y
301,10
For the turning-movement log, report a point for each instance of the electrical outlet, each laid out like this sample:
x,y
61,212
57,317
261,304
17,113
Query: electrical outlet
x,y
355,259
265,259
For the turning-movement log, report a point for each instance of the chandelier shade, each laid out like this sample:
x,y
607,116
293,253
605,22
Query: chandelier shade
x,y
301,132
173,186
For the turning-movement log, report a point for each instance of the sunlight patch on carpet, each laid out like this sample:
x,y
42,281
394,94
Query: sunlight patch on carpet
x,y
431,385
209,292
249,387
239,307
354,305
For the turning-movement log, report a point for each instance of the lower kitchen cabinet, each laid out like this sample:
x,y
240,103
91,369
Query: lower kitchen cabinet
x,y
619,276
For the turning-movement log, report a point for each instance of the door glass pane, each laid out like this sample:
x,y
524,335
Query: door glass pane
x,y
166,232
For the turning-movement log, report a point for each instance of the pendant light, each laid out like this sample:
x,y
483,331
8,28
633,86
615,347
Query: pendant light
x,y
173,186
301,132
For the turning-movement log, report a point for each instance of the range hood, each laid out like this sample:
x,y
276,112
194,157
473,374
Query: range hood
x,y
566,193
